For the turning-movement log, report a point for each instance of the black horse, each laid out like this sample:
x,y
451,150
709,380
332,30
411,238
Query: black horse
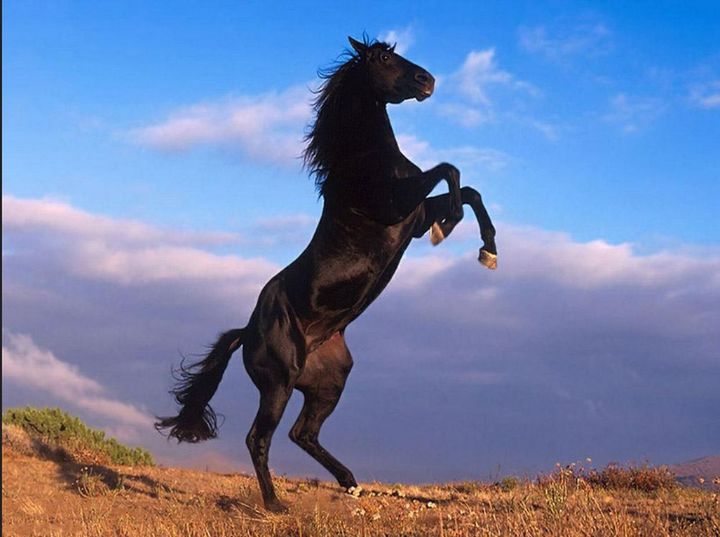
x,y
375,202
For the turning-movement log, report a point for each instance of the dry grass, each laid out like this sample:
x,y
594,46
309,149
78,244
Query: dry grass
x,y
62,498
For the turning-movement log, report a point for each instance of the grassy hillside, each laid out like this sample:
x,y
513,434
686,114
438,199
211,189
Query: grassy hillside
x,y
55,433
64,496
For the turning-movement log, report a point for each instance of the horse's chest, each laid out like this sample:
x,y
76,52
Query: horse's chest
x,y
365,269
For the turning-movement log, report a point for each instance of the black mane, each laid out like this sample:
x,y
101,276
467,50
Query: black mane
x,y
329,140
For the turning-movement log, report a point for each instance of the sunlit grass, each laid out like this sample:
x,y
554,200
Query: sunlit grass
x,y
63,498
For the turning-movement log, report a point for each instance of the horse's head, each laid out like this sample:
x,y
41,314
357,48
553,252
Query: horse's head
x,y
393,79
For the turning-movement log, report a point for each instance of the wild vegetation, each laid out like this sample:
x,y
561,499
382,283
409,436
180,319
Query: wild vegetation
x,y
58,433
61,496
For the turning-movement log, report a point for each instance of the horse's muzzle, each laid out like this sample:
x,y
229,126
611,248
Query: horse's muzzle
x,y
425,85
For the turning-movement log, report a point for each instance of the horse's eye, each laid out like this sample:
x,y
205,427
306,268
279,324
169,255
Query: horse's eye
x,y
385,57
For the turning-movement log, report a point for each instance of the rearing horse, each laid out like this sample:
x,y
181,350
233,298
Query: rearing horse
x,y
375,202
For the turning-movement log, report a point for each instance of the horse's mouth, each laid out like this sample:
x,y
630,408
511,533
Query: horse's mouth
x,y
423,94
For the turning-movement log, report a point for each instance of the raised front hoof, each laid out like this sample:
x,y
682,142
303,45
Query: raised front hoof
x,y
436,234
488,259
276,506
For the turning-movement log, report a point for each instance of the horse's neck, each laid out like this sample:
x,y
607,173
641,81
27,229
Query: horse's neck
x,y
373,129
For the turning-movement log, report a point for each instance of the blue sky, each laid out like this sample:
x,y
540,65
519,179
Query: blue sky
x,y
149,163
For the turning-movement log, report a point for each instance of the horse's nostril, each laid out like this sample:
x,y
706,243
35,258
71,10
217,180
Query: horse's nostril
x,y
423,78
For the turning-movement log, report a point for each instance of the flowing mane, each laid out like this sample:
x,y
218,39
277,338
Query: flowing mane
x,y
335,130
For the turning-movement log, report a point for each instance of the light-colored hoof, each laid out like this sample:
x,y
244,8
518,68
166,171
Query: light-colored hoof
x,y
436,234
488,259
354,491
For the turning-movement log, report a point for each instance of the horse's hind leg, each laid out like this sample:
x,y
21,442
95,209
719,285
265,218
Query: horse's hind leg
x,y
322,383
274,355
272,405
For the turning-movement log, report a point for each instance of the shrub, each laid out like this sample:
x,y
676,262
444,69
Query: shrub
x,y
58,428
644,478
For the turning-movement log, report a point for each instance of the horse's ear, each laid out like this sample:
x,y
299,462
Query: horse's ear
x,y
359,47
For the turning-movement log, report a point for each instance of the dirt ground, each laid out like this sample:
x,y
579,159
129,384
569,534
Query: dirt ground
x,y
43,497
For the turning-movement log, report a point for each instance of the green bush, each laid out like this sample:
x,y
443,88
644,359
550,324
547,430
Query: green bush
x,y
56,427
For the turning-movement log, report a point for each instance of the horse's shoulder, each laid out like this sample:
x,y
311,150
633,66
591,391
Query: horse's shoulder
x,y
406,168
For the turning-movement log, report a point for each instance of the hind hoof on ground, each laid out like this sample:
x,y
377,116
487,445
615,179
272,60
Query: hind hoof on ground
x,y
276,506
436,234
355,492
488,259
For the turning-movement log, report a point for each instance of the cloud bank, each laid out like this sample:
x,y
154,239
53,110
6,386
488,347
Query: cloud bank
x,y
571,349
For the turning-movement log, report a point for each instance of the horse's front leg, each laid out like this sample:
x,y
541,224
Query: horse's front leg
x,y
410,192
438,218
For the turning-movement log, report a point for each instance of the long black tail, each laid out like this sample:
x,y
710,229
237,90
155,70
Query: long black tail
x,y
195,387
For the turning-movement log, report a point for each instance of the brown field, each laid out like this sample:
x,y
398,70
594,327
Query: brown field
x,y
59,497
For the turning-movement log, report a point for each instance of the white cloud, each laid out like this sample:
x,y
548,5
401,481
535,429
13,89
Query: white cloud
x,y
549,130
39,214
706,95
267,127
419,272
579,40
287,222
29,365
632,113
127,252
478,72
465,158
160,263
599,264
466,115
403,37
479,83
472,157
